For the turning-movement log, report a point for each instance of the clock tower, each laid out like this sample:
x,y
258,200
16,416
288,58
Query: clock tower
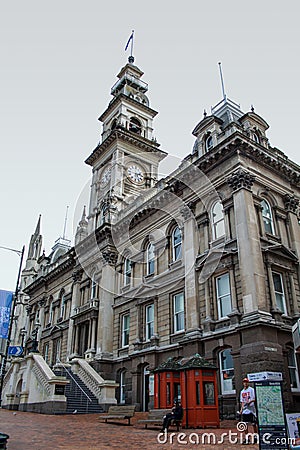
x,y
125,162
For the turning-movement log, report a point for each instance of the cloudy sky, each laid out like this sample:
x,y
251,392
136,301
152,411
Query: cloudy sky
x,y
59,60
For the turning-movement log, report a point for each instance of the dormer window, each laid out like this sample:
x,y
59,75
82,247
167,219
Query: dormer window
x,y
209,143
135,125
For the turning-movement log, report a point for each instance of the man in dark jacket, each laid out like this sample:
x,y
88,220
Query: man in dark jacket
x,y
175,414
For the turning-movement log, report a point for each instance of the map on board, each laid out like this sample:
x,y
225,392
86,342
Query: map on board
x,y
269,405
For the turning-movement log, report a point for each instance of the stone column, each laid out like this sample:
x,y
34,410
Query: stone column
x,y
104,346
248,241
75,301
190,251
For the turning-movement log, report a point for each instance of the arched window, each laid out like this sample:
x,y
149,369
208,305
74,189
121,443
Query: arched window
x,y
127,271
135,125
114,124
176,244
256,138
208,143
227,372
150,258
217,219
267,217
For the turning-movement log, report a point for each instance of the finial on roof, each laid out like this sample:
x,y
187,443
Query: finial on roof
x,y
204,113
252,108
38,226
65,223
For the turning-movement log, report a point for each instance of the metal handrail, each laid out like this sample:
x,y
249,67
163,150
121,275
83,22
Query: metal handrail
x,y
74,380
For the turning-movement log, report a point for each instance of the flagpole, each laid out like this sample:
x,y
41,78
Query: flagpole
x,y
12,313
131,49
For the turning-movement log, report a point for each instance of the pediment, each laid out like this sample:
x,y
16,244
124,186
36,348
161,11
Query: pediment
x,y
281,251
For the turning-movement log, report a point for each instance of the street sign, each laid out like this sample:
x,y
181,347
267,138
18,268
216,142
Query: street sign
x,y
265,376
15,350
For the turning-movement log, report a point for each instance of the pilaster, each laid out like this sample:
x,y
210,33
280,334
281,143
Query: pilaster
x,y
248,242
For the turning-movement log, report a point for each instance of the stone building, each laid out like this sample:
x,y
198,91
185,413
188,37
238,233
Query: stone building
x,y
204,261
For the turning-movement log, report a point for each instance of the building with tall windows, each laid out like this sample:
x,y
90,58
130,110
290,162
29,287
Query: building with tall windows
x,y
204,261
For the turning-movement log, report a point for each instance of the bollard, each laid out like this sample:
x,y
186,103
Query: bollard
x,y
3,441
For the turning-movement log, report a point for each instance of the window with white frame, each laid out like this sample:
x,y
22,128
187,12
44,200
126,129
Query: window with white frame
x,y
176,244
293,370
150,255
217,220
93,287
125,330
223,295
122,386
178,305
46,353
227,372
127,271
279,292
149,321
267,217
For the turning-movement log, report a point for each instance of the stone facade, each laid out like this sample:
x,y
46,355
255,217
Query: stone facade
x,y
203,261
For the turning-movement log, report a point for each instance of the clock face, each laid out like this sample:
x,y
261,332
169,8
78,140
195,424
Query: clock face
x,y
106,175
135,174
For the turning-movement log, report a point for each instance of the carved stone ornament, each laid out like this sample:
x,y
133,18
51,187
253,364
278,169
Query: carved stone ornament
x,y
42,301
241,179
110,256
77,275
291,203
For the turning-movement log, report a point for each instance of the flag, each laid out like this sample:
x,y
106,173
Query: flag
x,y
6,298
129,40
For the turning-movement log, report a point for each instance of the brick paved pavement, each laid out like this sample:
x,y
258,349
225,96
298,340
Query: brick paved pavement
x,y
29,431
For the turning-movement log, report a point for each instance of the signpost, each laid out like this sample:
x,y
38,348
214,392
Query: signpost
x,y
270,410
15,350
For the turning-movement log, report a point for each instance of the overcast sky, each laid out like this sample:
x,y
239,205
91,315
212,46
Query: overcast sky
x,y
59,60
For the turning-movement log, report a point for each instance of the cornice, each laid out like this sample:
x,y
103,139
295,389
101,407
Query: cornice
x,y
119,99
126,136
54,273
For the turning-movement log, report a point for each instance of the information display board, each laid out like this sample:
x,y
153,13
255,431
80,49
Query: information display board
x,y
270,414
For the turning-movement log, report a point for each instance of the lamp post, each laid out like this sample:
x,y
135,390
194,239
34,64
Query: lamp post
x,y
23,333
12,312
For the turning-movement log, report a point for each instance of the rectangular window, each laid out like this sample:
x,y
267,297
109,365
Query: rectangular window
x,y
197,393
223,295
149,321
178,312
209,393
122,387
127,271
279,291
125,330
293,372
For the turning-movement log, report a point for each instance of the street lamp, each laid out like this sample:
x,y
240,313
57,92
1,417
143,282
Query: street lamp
x,y
23,333
12,312
34,334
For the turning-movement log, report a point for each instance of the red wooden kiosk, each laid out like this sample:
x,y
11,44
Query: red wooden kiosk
x,y
193,381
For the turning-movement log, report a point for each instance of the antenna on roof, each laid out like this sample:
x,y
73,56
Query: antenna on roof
x,y
222,81
65,224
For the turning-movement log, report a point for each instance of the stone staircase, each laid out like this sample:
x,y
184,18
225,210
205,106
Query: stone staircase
x,y
80,400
